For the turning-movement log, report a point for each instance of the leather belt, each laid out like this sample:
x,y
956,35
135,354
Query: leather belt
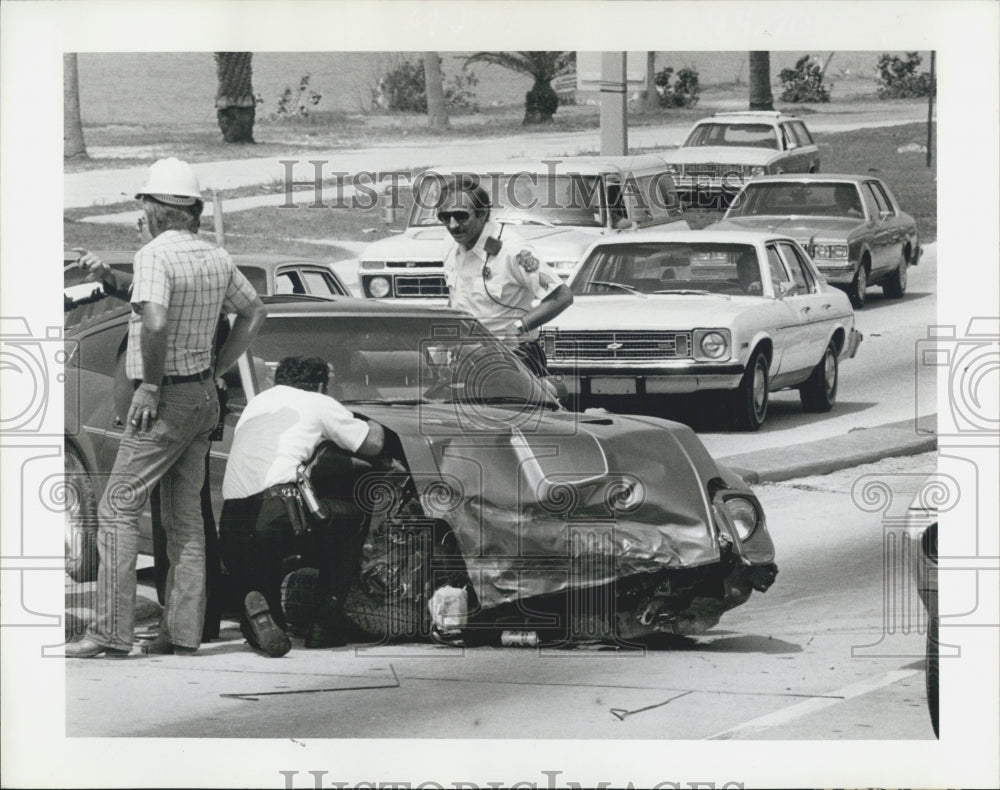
x,y
205,375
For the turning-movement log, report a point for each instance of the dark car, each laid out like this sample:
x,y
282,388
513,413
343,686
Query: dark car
x,y
531,510
851,225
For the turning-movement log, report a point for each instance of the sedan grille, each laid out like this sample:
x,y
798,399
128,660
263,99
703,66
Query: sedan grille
x,y
710,170
420,285
622,345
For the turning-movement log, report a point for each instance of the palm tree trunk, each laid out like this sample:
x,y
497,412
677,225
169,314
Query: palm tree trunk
x,y
760,81
437,111
74,145
235,104
652,102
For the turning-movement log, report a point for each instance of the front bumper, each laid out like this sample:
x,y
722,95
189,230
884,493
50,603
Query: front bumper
x,y
648,381
837,273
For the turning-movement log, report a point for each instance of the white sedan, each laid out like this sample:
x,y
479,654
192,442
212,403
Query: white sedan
x,y
686,311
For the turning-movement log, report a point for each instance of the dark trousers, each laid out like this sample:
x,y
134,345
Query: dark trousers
x,y
256,536
532,354
213,566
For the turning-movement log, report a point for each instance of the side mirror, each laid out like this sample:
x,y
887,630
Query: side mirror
x,y
781,290
624,223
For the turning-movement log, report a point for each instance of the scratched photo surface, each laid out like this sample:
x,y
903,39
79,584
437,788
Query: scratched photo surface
x,y
673,583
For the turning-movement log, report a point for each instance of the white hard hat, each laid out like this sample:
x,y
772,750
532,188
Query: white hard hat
x,y
172,181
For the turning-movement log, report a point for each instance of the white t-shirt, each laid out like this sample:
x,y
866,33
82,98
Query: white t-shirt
x,y
278,430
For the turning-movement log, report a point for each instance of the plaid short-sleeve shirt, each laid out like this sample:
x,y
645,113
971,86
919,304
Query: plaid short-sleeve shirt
x,y
195,281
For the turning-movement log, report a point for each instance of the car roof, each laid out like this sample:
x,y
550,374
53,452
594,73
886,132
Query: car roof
x,y
750,115
706,235
804,178
583,165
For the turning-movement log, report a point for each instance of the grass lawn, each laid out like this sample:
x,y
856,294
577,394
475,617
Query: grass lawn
x,y
302,231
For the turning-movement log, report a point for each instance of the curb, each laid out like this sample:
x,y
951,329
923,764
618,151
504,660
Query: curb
x,y
857,447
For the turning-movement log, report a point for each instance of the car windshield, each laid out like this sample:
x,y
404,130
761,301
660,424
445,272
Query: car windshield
x,y
571,199
753,135
670,267
402,360
810,199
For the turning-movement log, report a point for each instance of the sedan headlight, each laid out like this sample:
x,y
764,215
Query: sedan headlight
x,y
674,170
711,344
743,515
379,287
754,170
830,251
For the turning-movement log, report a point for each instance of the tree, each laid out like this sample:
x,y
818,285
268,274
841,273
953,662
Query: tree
x,y
235,104
760,81
437,111
74,145
541,102
652,98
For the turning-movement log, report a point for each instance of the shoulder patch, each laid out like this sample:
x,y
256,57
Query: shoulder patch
x,y
527,261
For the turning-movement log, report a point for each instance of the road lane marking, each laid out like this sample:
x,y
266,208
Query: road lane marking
x,y
797,711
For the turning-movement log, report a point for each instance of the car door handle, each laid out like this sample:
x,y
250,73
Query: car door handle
x,y
826,307
805,309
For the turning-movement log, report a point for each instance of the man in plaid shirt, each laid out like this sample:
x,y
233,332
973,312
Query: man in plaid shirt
x,y
181,285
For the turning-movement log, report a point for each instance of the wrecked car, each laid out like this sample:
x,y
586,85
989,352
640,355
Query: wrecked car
x,y
575,526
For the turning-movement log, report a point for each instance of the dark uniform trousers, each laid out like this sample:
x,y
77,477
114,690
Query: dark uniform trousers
x,y
256,536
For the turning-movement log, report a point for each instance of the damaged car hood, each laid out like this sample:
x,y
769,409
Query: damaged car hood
x,y
547,501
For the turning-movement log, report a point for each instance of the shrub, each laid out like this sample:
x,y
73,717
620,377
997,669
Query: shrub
x,y
804,83
404,88
898,78
295,103
680,90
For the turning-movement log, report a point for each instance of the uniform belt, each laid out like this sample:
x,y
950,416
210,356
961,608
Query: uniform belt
x,y
205,375
280,490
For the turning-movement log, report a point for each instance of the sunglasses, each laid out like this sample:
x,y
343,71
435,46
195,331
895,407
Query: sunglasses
x,y
444,217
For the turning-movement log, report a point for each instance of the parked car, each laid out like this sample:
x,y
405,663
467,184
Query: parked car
x,y
744,313
530,509
722,152
269,274
560,206
852,226
922,534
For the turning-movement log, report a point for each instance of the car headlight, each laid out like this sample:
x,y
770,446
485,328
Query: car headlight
x,y
379,287
754,170
830,251
743,516
711,344
372,264
673,169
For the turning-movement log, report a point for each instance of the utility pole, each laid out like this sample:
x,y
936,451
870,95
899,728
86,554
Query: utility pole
x,y
930,110
614,123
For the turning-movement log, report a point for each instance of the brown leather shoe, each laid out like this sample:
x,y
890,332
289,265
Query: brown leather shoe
x,y
88,648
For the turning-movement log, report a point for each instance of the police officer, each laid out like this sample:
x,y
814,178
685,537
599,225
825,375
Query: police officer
x,y
497,277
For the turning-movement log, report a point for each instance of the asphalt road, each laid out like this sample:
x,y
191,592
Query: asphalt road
x,y
779,667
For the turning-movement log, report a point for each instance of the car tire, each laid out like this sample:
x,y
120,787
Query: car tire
x,y
859,285
81,520
932,677
894,286
819,392
751,397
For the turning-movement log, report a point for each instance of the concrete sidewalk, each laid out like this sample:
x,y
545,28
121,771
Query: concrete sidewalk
x,y
100,187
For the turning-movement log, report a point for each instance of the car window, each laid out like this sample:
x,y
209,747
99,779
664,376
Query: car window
x,y
800,272
802,133
257,277
881,197
99,351
878,199
766,198
778,273
321,283
787,136
289,282
755,135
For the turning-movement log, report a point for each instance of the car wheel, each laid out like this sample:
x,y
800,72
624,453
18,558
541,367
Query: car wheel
x,y
858,286
819,392
750,398
895,285
81,520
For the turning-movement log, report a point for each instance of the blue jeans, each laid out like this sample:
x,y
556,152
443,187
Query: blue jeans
x,y
172,452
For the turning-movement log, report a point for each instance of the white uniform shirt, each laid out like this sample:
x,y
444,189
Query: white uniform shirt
x,y
278,430
516,278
